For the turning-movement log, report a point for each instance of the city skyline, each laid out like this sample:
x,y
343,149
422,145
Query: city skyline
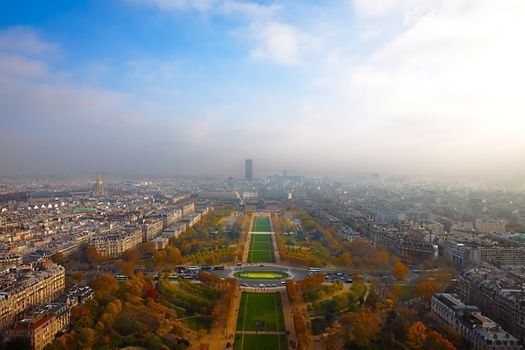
x,y
193,87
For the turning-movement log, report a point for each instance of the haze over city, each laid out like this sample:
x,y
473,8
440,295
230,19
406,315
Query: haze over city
x,y
262,175
151,87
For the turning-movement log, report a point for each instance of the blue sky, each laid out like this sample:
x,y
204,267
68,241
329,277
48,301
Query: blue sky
x,y
317,87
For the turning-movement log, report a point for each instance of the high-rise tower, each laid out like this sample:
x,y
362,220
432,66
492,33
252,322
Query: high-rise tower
x,y
99,187
248,170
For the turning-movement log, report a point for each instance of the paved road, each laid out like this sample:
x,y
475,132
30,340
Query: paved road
x,y
295,273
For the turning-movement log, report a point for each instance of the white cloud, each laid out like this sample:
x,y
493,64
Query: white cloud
x,y
272,40
16,65
374,7
276,42
249,9
445,92
198,5
21,39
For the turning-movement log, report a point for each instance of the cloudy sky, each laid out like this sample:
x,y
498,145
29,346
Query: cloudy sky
x,y
335,87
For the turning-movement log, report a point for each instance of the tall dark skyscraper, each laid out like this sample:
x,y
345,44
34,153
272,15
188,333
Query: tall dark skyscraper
x,y
248,171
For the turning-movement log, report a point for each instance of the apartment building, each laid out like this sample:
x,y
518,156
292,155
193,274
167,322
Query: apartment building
x,y
465,254
480,331
499,296
151,228
9,260
489,226
188,209
41,325
26,287
115,244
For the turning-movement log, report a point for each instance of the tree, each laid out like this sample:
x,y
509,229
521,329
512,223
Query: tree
x,y
399,270
417,334
208,278
83,338
173,254
426,288
159,258
436,341
292,289
58,258
131,255
126,267
364,325
152,341
93,256
77,276
334,341
215,312
148,248
104,285
345,259
301,330
311,282
18,343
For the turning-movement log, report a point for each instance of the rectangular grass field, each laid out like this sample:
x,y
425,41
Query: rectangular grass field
x,y
256,307
261,249
261,312
261,224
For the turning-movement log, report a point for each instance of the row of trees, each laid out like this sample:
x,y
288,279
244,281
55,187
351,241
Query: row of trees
x,y
121,314
420,337
135,312
245,234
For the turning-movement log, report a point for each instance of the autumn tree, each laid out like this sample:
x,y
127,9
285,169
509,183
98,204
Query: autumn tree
x,y
93,256
362,327
399,270
208,278
173,255
104,285
436,341
292,290
77,276
301,329
126,267
345,259
83,338
426,288
311,282
58,258
130,255
417,335
148,248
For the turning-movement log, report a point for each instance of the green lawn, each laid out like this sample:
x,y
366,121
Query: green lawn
x,y
261,249
269,275
264,256
260,342
261,224
261,242
265,307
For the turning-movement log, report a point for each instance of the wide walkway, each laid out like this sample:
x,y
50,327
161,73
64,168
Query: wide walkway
x,y
288,318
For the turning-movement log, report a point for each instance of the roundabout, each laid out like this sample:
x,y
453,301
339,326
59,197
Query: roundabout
x,y
261,275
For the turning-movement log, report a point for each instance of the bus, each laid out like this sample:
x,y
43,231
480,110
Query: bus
x,y
314,269
122,277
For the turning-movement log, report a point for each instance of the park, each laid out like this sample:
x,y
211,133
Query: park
x,y
260,324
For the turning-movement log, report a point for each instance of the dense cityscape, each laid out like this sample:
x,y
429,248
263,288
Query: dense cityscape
x,y
274,262
262,175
